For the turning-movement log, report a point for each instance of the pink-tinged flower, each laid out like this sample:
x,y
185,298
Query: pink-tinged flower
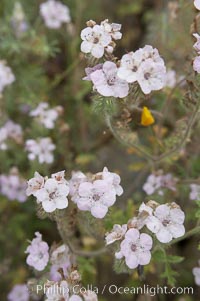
x,y
61,258
135,248
107,83
45,115
197,4
6,76
197,44
195,192
41,148
167,222
96,197
38,253
35,184
196,273
57,291
151,76
196,64
53,195
19,293
54,13
90,70
13,186
117,233
95,40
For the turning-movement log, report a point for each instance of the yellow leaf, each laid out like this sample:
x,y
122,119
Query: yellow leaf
x,y
147,118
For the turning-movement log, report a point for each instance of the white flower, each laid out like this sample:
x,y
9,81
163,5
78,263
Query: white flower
x,y
153,183
113,178
44,115
195,192
54,13
57,291
77,178
197,44
113,29
96,197
167,222
196,64
196,273
60,177
197,4
107,83
3,138
170,80
117,233
151,76
53,195
135,248
41,148
6,76
95,40
129,66
35,184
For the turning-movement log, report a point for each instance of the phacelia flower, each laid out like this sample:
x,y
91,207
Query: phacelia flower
x,y
6,76
54,13
45,115
117,233
107,83
135,248
61,258
13,186
38,253
57,291
35,184
167,222
53,195
196,273
95,40
19,293
196,64
41,148
147,118
144,66
96,197
113,29
197,4
195,192
90,70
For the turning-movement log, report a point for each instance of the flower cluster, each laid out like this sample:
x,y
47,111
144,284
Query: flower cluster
x,y
46,116
38,252
10,131
196,273
95,193
19,293
6,76
13,186
165,221
194,192
51,193
158,181
41,148
98,39
54,14
144,66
